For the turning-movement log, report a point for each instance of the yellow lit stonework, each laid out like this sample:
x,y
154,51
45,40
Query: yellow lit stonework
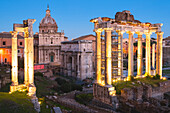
x,y
108,55
148,52
110,61
139,55
130,55
159,54
28,60
98,52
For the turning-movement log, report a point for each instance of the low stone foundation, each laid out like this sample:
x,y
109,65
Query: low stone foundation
x,y
141,99
145,91
103,93
145,99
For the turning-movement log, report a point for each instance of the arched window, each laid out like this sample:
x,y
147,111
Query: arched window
x,y
5,60
51,40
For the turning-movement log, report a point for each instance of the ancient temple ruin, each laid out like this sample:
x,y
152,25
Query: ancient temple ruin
x,y
27,29
109,35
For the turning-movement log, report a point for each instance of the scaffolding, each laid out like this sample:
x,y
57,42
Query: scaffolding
x,y
115,53
103,56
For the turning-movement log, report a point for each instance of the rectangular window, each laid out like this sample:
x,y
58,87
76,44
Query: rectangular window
x,y
20,43
18,51
4,43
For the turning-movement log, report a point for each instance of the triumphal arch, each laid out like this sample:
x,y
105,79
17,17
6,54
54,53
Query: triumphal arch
x,y
27,29
109,50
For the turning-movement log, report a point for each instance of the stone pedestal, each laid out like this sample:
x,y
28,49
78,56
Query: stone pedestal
x,y
104,93
13,88
31,90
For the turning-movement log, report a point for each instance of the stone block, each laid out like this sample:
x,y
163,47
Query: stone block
x,y
31,90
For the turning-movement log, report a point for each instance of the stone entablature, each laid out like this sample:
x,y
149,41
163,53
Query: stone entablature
x,y
84,45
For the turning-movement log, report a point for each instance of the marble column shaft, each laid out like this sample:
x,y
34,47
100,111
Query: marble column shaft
x,y
14,59
98,55
30,60
139,56
130,55
159,53
148,52
108,56
26,72
153,55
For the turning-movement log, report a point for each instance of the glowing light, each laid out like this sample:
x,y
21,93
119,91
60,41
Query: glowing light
x,y
125,79
102,83
39,102
1,51
163,78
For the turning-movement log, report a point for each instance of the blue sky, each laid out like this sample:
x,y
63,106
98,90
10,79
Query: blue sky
x,y
73,16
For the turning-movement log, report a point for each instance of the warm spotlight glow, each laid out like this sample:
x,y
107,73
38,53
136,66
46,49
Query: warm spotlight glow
x,y
1,51
39,102
102,83
163,78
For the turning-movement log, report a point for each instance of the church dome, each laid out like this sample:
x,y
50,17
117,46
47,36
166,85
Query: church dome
x,y
48,20
48,24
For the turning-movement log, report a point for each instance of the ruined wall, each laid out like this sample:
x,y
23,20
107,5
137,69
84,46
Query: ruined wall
x,y
145,91
145,99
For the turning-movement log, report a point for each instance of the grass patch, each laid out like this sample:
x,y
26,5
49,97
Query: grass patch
x,y
121,85
44,86
46,102
84,98
15,103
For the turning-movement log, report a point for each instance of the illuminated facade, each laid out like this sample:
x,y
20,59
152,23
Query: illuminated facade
x,y
49,40
27,29
6,45
109,35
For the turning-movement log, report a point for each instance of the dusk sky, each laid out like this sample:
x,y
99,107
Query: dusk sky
x,y
73,16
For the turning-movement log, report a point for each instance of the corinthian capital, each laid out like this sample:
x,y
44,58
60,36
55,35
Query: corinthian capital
x,y
26,33
98,30
14,34
159,33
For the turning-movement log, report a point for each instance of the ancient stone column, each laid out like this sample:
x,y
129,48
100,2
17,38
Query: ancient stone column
x,y
153,55
148,52
130,55
72,65
26,72
30,56
139,55
120,53
78,66
14,62
159,54
98,55
30,60
108,56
